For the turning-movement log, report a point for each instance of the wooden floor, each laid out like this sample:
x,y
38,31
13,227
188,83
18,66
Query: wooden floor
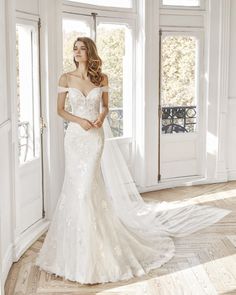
x,y
205,262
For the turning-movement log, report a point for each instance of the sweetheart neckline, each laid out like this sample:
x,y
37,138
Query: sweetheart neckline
x,y
85,96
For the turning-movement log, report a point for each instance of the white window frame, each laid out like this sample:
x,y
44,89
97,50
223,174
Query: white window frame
x,y
128,102
198,34
116,17
34,79
182,7
191,20
75,4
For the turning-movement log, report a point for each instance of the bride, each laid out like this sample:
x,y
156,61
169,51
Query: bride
x,y
102,230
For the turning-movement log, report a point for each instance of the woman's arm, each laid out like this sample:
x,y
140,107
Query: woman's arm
x,y
105,108
61,103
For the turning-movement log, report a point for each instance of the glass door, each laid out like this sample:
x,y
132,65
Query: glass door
x,y
180,104
73,27
29,125
114,42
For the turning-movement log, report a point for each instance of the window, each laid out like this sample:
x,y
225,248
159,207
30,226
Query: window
x,y
72,28
28,105
111,3
114,42
179,65
194,3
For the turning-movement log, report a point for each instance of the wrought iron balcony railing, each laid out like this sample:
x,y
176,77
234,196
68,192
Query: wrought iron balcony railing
x,y
115,118
179,119
23,139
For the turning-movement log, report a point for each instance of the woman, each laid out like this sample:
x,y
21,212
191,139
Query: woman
x,y
102,230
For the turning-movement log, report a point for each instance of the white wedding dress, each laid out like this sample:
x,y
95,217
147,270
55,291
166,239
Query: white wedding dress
x,y
102,230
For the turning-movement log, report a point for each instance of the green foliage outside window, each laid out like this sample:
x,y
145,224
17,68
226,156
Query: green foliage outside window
x,y
178,71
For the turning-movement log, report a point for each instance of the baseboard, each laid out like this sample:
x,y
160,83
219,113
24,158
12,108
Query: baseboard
x,y
23,242
1,287
183,181
28,237
6,264
232,174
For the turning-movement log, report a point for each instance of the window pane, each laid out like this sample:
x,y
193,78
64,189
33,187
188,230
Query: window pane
x,y
178,84
111,3
71,30
27,93
114,43
181,2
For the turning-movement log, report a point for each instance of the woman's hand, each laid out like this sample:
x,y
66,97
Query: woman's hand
x,y
98,122
85,124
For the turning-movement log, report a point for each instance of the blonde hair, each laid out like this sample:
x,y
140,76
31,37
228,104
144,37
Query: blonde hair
x,y
94,61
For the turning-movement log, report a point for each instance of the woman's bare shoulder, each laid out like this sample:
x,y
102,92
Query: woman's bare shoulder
x,y
72,73
104,80
63,80
66,74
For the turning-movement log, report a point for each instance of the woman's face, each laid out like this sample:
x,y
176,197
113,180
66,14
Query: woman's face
x,y
80,52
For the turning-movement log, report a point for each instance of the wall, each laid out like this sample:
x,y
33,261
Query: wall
x,y
5,153
231,124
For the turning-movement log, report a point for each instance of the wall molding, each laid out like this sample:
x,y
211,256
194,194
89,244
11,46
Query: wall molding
x,y
5,126
231,175
232,99
25,239
14,251
224,54
217,41
146,157
182,181
7,263
223,89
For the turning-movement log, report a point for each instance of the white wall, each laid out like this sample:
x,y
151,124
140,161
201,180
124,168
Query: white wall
x,y
6,197
231,130
30,6
5,155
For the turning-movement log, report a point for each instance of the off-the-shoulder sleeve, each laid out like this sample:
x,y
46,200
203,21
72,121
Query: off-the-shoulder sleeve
x,y
106,89
61,89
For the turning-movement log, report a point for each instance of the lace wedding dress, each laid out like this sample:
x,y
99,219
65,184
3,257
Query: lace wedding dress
x,y
102,230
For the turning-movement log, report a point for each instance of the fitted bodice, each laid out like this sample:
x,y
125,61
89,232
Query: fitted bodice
x,y
85,106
